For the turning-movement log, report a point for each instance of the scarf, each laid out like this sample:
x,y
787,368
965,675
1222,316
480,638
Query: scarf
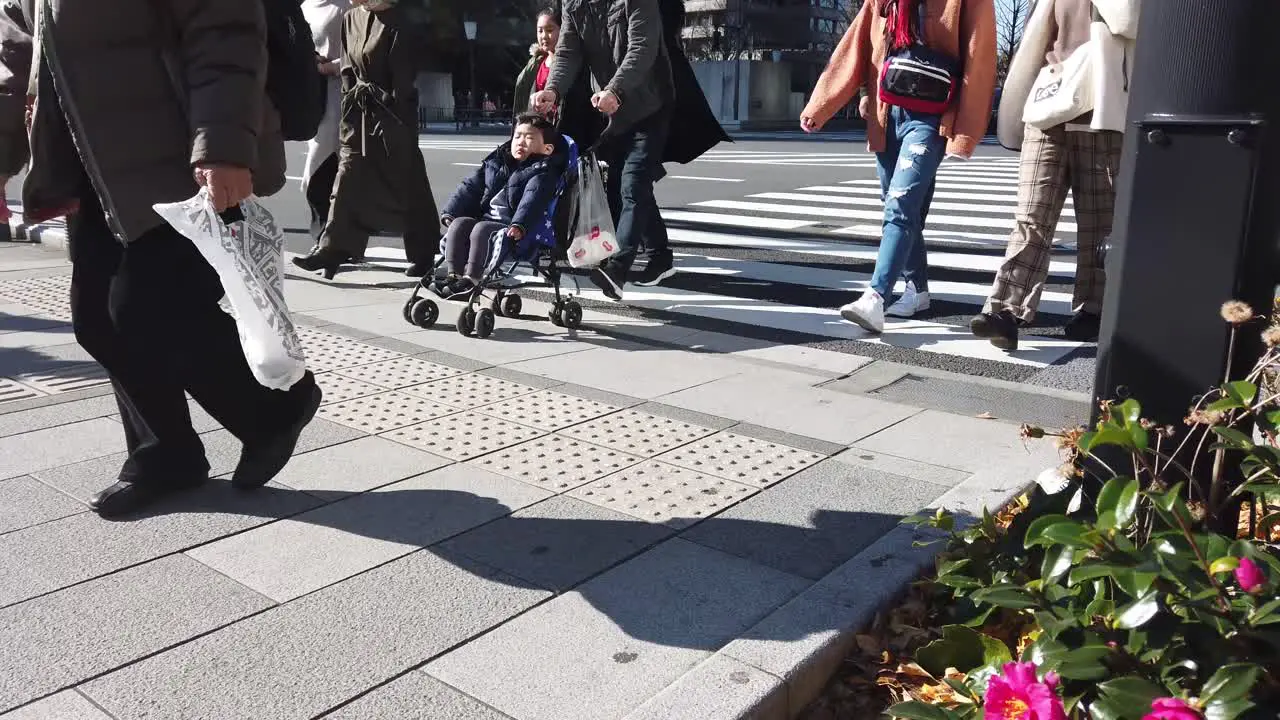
x,y
901,15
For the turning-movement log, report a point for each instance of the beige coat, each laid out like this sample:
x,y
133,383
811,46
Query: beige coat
x,y
1110,71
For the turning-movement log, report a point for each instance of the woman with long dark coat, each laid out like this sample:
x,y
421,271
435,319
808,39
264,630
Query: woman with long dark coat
x,y
382,179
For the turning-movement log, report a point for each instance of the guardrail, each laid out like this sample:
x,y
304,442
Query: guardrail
x,y
463,118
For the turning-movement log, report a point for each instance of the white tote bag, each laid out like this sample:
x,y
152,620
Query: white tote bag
x,y
249,258
594,237
1062,92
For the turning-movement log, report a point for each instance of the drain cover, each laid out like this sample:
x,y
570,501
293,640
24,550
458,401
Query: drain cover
x,y
555,463
463,436
380,413
742,459
470,391
548,410
74,378
13,390
637,433
398,373
661,493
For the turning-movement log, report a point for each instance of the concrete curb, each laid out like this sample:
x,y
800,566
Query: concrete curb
x,y
757,678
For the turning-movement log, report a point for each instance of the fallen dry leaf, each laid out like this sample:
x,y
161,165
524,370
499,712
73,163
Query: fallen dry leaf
x,y
985,416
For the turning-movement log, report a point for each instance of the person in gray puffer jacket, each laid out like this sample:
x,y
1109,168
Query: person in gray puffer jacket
x,y
118,106
621,43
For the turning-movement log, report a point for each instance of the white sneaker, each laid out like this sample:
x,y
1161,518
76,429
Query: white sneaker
x,y
867,311
909,304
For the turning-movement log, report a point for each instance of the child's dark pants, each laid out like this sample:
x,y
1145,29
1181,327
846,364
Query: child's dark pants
x,y
466,245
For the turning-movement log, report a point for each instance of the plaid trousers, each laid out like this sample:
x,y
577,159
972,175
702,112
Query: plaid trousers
x,y
1053,161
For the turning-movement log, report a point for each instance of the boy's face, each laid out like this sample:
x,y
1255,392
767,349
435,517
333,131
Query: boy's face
x,y
528,141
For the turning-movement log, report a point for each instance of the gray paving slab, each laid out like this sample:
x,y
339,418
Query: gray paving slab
x,y
223,449
32,320
637,433
34,339
601,651
600,396
819,624
964,443
554,463
558,542
719,687
286,559
66,705
742,459
51,447
416,696
884,462
25,501
55,415
369,462
673,412
759,432
313,296
970,398
787,401
53,555
302,658
661,493
815,520
524,378
508,346
644,371
383,318
32,403
61,639
458,362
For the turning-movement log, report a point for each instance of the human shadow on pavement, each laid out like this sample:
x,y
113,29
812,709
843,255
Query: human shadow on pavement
x,y
721,577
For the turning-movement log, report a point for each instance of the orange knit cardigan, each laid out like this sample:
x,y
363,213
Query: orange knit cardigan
x,y
964,29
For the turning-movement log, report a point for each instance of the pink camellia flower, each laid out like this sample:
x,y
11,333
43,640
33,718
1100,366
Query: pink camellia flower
x,y
1249,575
1016,694
1172,709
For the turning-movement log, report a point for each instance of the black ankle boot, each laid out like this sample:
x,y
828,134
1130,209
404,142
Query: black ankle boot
x,y
326,259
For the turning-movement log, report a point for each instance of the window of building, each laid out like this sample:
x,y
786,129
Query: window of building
x,y
822,25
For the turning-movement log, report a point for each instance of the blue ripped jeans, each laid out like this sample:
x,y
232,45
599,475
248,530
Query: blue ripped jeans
x,y
907,168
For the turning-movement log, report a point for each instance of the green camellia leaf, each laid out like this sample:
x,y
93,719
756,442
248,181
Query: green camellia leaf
x,y
915,710
1057,561
1070,533
1226,709
962,648
1035,531
1107,435
1230,683
1117,503
1083,663
1223,565
1233,437
1139,612
1242,391
1131,692
1265,614
1006,595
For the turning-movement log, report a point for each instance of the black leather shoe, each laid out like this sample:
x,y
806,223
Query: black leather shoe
x,y
261,462
125,497
325,259
1083,327
1001,329
418,270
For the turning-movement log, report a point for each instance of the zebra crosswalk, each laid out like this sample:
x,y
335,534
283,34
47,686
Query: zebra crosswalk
x,y
782,261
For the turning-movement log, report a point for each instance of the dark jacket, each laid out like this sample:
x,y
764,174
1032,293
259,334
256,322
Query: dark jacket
x,y
621,43
139,136
528,186
577,118
694,128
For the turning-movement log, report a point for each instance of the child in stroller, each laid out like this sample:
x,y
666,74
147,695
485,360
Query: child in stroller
x,y
506,213
509,194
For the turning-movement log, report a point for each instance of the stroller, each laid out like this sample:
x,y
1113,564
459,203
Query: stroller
x,y
539,250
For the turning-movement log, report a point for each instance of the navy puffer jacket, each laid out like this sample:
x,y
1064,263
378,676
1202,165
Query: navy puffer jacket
x,y
529,186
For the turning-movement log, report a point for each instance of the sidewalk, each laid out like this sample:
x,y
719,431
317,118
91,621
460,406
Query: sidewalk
x,y
631,521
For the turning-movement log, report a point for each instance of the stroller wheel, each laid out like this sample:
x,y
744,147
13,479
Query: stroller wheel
x,y
572,315
408,309
484,323
509,306
466,321
425,312
556,315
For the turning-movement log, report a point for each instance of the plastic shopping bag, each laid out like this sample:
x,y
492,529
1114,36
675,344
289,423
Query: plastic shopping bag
x,y
248,256
594,239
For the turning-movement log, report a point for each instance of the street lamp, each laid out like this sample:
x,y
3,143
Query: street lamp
x,y
469,27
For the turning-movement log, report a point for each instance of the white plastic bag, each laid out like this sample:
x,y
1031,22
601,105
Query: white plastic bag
x,y
594,238
249,258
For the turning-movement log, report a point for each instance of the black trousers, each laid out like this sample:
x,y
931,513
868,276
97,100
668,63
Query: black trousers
x,y
319,191
635,164
148,313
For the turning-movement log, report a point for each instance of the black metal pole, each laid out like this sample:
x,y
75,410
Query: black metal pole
x,y
1198,202
471,48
